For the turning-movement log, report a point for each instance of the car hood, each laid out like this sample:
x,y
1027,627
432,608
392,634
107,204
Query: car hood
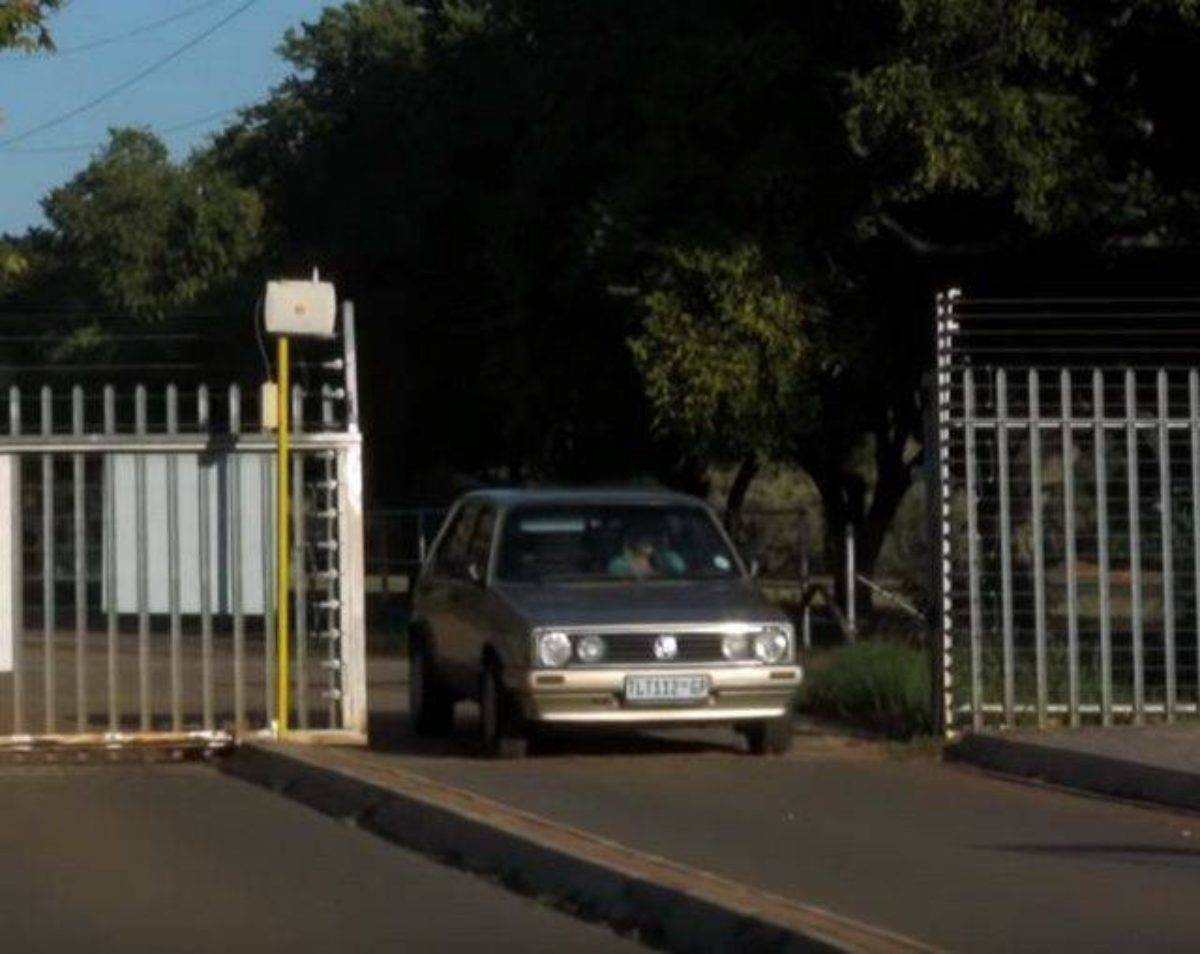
x,y
603,604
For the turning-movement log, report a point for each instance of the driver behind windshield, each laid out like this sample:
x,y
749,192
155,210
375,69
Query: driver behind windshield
x,y
642,557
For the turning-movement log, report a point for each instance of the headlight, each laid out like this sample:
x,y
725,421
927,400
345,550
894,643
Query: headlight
x,y
772,644
735,646
553,649
590,649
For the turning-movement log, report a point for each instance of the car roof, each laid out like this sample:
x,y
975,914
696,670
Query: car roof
x,y
510,497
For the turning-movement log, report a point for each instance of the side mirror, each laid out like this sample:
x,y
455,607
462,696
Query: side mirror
x,y
475,573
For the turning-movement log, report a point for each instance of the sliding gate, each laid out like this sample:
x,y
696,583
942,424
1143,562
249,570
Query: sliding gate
x,y
1069,457
137,559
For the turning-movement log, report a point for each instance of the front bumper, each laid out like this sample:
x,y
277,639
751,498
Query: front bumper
x,y
578,695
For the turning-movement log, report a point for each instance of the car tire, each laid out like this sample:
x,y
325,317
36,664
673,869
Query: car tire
x,y
501,733
769,736
430,703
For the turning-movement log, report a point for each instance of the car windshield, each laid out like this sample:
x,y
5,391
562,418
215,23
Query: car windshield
x,y
612,542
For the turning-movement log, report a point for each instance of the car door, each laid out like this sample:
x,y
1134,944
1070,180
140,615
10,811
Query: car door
x,y
475,601
441,592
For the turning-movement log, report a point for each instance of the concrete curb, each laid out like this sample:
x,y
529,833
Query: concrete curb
x,y
1073,769
662,903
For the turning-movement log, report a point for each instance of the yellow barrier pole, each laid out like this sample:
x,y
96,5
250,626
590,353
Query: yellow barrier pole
x,y
282,553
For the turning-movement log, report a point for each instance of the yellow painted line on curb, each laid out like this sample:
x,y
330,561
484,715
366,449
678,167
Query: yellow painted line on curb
x,y
802,919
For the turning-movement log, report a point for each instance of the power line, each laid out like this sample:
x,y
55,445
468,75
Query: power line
x,y
128,34
162,132
132,81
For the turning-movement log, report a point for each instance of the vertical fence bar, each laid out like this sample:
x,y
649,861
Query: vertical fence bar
x,y
1194,421
973,553
141,522
299,567
1168,544
236,565
78,477
1102,559
352,664
268,574
851,580
173,545
110,561
49,610
1005,529
1039,555
1135,552
806,615
18,567
206,633
1068,471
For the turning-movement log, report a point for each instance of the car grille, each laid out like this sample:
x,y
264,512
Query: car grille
x,y
639,648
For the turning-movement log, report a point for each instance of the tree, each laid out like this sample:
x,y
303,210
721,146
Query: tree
x,y
23,24
566,219
135,234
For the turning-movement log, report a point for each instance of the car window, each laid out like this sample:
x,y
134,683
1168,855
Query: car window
x,y
480,546
613,542
451,557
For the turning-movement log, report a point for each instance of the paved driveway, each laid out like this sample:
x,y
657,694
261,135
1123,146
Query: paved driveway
x,y
181,859
938,852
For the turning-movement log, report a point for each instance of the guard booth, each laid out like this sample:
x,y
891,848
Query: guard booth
x,y
1067,479
138,538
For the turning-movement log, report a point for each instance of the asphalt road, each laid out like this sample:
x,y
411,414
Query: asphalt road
x,y
941,853
180,858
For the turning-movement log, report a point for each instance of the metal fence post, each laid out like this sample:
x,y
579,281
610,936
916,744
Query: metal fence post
x,y
143,565
851,595
1194,433
973,554
78,476
1005,530
1068,468
49,606
1102,558
1168,546
1135,552
1039,557
110,563
353,609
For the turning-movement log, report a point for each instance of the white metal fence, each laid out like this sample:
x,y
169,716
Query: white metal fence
x,y
1069,440
137,560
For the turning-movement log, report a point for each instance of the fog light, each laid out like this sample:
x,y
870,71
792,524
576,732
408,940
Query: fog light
x,y
554,649
590,649
771,645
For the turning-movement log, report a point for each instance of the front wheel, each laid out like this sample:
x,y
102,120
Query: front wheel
x,y
501,733
429,701
769,736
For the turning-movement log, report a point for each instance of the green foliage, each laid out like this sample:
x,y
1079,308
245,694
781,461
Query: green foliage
x,y
883,687
135,233
23,24
727,351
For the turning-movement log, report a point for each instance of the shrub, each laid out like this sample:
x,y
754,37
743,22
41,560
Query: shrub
x,y
879,686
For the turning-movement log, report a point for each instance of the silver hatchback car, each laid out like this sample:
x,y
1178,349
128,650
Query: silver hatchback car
x,y
619,608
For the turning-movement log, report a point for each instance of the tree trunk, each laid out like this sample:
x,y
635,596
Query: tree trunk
x,y
736,498
844,496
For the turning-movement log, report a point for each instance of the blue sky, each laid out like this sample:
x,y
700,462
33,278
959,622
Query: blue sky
x,y
234,66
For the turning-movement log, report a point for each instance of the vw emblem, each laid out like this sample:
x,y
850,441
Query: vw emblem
x,y
666,647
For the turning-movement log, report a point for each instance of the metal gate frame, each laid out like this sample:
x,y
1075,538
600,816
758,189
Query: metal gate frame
x,y
1067,509
328,569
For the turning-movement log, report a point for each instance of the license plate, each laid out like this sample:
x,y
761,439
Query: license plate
x,y
666,688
